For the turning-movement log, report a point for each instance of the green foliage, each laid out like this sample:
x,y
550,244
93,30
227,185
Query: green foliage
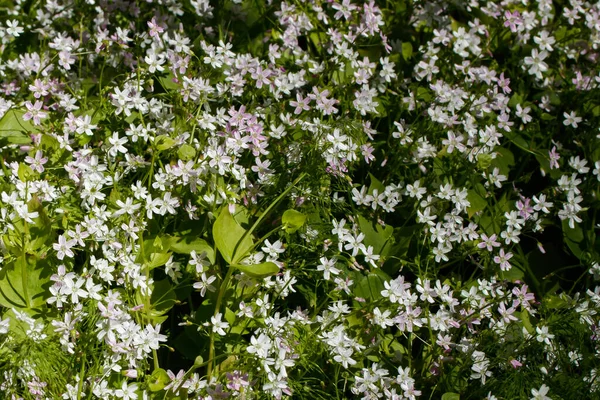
x,y
230,238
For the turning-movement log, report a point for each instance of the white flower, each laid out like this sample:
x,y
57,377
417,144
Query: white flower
x,y
63,247
328,267
536,63
218,325
540,394
13,28
571,119
543,334
4,325
127,392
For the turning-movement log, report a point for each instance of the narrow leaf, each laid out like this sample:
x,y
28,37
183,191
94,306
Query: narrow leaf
x,y
258,271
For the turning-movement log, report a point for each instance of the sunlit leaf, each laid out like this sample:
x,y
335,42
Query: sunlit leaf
x,y
258,271
230,238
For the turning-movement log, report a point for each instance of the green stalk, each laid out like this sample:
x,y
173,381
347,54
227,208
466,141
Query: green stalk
x,y
236,259
24,278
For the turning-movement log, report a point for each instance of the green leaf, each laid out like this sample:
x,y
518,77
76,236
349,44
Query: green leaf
x,y
25,172
230,238
450,396
478,203
407,50
163,296
37,275
375,184
369,287
167,82
188,243
258,271
40,232
14,129
376,235
164,142
515,99
504,160
548,117
186,152
158,260
342,76
292,220
158,380
424,94
574,238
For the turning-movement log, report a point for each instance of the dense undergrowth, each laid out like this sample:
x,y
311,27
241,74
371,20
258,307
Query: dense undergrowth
x,y
315,199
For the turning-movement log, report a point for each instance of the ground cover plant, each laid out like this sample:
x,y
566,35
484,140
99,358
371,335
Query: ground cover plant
x,y
308,199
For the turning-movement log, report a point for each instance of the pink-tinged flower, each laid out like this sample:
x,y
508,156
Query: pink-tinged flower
x,y
524,207
300,104
37,162
515,364
554,157
155,29
502,260
513,20
488,242
34,112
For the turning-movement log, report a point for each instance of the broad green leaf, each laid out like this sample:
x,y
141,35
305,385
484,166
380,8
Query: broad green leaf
x,y
40,232
484,160
369,287
158,380
230,238
158,260
187,244
376,235
14,129
515,273
375,184
167,82
402,238
548,117
574,238
518,140
424,94
25,172
230,316
317,39
515,99
524,318
344,75
163,296
258,271
504,160
555,302
37,281
477,202
292,220
186,152
164,142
